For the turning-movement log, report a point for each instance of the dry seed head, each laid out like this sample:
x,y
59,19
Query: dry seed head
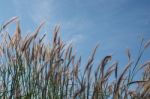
x,y
108,73
147,44
94,51
110,89
67,73
76,71
17,35
56,30
37,30
145,65
120,80
104,61
9,21
128,54
132,94
67,51
26,43
1,51
42,38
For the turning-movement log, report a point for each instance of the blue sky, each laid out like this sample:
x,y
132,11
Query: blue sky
x,y
114,24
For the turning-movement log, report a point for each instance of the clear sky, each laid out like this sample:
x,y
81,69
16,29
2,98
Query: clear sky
x,y
115,24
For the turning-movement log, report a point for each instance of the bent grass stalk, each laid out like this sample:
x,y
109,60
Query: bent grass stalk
x,y
32,69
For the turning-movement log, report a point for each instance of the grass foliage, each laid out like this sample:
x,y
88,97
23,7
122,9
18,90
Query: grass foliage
x,y
32,69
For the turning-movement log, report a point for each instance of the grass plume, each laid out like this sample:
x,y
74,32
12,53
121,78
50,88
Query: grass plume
x,y
32,69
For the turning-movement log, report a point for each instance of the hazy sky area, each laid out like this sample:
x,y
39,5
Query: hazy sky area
x,y
114,24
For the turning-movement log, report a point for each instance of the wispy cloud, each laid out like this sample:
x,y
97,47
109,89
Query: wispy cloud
x,y
36,10
76,39
111,22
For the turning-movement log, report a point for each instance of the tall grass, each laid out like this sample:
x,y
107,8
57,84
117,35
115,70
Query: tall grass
x,y
32,69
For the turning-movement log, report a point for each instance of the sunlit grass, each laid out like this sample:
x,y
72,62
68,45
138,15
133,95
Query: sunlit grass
x,y
31,69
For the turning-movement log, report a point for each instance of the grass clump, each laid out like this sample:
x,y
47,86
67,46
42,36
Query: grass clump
x,y
31,69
